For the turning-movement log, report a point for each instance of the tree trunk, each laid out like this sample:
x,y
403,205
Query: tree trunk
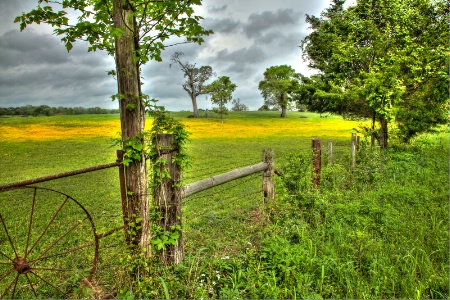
x,y
194,104
383,133
373,135
283,112
132,120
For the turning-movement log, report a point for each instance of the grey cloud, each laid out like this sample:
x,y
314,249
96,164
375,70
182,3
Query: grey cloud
x,y
30,48
252,54
260,22
228,25
216,9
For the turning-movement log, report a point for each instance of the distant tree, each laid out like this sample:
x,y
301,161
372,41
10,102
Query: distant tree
x,y
279,87
221,91
238,106
195,78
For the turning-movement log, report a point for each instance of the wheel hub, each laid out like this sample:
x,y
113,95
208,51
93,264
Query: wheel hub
x,y
21,265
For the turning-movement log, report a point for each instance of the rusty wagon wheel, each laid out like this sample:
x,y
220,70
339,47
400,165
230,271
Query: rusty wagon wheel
x,y
48,244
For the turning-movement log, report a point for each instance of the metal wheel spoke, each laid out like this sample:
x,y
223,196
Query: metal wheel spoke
x,y
56,288
31,222
54,238
61,253
60,238
48,225
9,286
7,233
4,275
15,285
3,254
31,285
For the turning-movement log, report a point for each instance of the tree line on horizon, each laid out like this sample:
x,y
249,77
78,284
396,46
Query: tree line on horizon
x,y
45,110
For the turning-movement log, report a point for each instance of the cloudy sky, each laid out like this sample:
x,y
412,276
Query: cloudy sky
x,y
249,37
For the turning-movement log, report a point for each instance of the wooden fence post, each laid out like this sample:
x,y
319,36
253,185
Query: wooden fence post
x,y
353,153
268,184
167,197
316,161
330,152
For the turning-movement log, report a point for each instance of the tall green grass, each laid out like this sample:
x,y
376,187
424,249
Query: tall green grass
x,y
379,230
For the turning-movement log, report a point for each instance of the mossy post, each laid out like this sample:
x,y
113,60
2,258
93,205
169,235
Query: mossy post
x,y
167,198
268,184
316,149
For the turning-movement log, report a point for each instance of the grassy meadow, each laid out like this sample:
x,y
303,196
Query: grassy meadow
x,y
379,230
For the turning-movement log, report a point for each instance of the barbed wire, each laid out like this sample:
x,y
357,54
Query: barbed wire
x,y
202,213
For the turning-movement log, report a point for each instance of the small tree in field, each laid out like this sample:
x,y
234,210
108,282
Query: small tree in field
x,y
238,106
279,86
133,31
221,91
195,78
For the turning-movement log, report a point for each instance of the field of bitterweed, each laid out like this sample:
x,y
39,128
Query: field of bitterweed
x,y
379,230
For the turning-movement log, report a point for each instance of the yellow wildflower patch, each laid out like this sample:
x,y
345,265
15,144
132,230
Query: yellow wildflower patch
x,y
35,132
240,128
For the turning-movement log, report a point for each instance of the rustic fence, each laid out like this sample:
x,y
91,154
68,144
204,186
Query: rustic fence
x,y
168,196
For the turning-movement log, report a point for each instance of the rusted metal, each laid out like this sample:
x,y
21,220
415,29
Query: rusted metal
x,y
21,265
20,260
14,185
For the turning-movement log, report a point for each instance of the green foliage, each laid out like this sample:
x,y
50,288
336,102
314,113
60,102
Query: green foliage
x,y
279,86
161,239
221,91
156,22
387,59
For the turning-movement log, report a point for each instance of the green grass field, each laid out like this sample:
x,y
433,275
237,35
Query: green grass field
x,y
378,231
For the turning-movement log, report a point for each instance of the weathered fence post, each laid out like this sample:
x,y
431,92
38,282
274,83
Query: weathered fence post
x,y
330,152
123,196
167,199
316,161
268,184
353,153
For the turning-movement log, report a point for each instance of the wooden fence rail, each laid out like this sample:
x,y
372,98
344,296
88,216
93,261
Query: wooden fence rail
x,y
216,180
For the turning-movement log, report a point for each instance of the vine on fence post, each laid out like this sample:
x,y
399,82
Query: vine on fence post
x,y
168,157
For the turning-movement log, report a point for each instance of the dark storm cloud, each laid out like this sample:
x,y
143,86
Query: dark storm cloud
x,y
30,48
249,36
258,23
227,25
240,60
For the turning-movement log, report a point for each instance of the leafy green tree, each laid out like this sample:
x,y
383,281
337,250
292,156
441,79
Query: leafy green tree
x,y
134,32
221,91
379,59
279,87
195,78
